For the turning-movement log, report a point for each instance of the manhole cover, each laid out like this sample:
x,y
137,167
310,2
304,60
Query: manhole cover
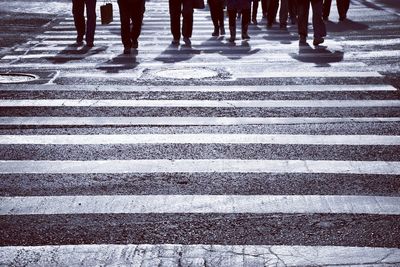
x,y
17,77
188,73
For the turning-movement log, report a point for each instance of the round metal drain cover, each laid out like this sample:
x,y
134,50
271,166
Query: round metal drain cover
x,y
17,77
187,73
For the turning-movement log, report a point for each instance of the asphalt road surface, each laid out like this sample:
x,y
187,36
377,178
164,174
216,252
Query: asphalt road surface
x,y
256,153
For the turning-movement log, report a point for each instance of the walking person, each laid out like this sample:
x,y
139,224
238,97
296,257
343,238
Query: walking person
x,y
342,7
217,16
178,8
318,23
83,28
233,7
131,11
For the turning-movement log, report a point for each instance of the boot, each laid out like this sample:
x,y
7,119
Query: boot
x,y
233,34
216,31
245,36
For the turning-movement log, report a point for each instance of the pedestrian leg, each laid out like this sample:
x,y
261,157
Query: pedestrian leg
x,y
318,23
232,24
137,12
303,9
91,21
175,9
283,14
343,7
78,9
326,9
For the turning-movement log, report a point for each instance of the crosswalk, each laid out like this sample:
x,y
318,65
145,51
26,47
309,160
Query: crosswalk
x,y
287,156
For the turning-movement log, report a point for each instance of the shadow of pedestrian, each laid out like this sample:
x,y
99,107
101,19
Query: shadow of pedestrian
x,y
346,25
230,50
320,55
120,63
75,53
177,53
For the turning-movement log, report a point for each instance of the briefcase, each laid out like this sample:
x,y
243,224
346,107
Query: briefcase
x,y
106,12
198,4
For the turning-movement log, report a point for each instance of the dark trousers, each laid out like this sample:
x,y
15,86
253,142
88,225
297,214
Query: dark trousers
x,y
293,9
78,10
130,11
245,17
217,12
342,7
264,7
283,12
272,10
254,10
176,9
318,23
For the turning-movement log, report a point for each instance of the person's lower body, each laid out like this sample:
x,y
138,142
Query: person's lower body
x,y
318,23
283,14
245,23
83,28
342,6
326,9
78,10
232,24
272,6
217,16
254,12
292,5
176,9
130,11
264,8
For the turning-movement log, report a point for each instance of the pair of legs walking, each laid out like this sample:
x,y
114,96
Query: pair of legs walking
x,y
83,28
318,23
176,9
217,16
342,7
131,11
245,23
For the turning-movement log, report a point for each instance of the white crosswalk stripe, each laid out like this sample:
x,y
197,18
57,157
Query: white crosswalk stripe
x,y
287,156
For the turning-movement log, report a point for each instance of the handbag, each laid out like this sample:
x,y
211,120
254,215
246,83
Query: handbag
x,y
198,4
106,12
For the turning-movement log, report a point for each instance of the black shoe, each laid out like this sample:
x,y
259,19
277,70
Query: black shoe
x,y
269,25
222,30
89,44
318,41
254,21
127,51
303,40
175,41
215,32
325,18
342,18
135,44
187,41
282,26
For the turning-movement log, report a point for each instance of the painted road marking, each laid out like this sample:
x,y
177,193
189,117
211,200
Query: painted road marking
x,y
117,204
362,140
200,166
200,103
198,121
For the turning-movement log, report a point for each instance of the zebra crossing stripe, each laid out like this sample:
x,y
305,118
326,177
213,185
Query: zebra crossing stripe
x,y
200,166
203,88
198,103
201,139
144,204
188,121
198,255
